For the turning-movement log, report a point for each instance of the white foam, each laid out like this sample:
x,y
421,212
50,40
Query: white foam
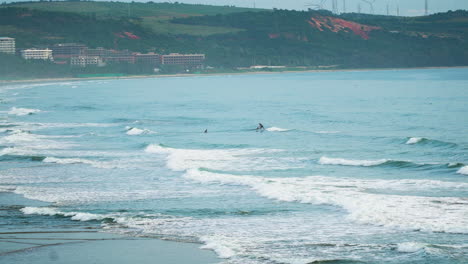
x,y
133,131
36,126
20,138
277,129
39,210
218,245
76,216
23,111
223,159
463,170
346,162
396,211
326,132
96,164
410,247
414,140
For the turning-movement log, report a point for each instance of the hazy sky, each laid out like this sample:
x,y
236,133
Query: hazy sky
x,y
407,7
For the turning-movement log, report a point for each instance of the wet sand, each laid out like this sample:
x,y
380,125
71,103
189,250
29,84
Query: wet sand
x,y
23,241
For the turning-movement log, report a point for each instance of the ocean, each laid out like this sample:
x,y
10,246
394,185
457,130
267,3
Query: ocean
x,y
353,166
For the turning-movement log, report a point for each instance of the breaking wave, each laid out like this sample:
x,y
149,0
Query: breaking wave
x,y
22,111
426,141
223,159
345,162
387,163
76,216
463,170
395,211
414,140
133,131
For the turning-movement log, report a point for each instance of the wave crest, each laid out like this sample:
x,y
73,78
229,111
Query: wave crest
x,y
463,170
414,140
133,131
277,129
23,111
222,159
76,216
346,162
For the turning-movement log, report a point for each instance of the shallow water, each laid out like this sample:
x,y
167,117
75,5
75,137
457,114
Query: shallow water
x,y
366,166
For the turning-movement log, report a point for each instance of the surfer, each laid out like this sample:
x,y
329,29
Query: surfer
x,y
206,131
260,127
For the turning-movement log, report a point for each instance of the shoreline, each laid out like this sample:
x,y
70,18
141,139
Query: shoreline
x,y
36,241
45,80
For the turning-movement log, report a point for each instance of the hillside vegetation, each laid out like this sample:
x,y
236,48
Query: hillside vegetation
x,y
240,37
154,15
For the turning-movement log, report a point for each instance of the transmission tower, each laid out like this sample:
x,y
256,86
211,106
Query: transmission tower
x,y
371,5
426,7
335,6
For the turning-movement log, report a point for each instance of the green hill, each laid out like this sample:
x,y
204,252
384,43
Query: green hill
x,y
239,37
156,16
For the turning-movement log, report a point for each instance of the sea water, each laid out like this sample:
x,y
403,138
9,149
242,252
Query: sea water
x,y
364,166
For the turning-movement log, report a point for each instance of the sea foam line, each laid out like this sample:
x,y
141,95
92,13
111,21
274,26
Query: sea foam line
x,y
96,164
222,159
76,216
277,129
395,211
337,161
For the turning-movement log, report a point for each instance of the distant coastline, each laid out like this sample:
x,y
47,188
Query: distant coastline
x,y
42,80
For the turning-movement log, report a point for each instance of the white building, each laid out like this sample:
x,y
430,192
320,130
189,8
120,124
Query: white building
x,y
83,61
7,45
37,54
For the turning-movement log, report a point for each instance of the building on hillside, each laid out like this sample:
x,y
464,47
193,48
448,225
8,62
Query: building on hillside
x,y
150,59
7,45
68,50
190,60
120,59
37,54
118,56
101,52
83,61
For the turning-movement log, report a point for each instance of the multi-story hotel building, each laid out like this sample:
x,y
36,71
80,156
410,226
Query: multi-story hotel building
x,y
37,54
68,50
7,45
151,59
83,61
193,60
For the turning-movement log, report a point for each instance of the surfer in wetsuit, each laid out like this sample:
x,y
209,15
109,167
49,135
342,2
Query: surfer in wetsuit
x,y
206,131
260,127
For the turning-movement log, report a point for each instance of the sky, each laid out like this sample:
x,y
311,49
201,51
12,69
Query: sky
x,y
406,7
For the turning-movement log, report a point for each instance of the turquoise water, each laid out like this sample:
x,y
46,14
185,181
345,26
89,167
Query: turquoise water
x,y
365,167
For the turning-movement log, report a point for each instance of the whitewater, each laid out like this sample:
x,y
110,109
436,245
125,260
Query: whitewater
x,y
352,167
